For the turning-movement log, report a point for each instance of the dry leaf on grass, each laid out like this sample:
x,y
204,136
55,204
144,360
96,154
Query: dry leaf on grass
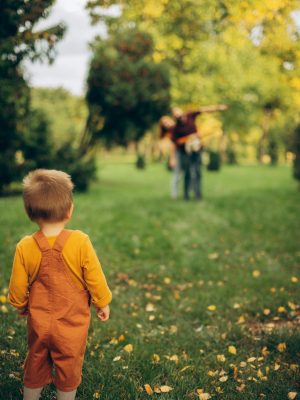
x,y
148,389
128,348
232,350
292,395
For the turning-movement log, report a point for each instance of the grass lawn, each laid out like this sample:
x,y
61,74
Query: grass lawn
x,y
188,279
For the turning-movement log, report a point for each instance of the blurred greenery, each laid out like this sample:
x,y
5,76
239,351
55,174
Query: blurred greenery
x,y
66,113
127,91
245,54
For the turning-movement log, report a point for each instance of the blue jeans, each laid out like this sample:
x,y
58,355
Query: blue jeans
x,y
189,164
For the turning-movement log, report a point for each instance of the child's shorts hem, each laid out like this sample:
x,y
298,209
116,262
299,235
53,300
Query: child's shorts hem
x,y
67,388
37,385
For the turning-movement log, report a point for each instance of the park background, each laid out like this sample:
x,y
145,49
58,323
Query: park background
x,y
206,295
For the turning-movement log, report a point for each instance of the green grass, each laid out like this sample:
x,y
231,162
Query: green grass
x,y
248,221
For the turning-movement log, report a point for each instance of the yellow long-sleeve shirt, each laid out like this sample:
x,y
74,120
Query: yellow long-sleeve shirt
x,y
80,257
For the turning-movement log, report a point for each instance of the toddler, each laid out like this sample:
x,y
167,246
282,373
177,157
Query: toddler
x,y
55,274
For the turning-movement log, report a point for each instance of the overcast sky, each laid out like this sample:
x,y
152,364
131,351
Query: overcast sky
x,y
70,66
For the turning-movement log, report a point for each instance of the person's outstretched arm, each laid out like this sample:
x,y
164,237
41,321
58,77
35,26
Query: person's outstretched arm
x,y
213,108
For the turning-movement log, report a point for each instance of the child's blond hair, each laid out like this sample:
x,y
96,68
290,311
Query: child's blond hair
x,y
47,195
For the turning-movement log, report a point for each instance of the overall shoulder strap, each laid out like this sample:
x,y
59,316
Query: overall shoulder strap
x,y
61,239
41,241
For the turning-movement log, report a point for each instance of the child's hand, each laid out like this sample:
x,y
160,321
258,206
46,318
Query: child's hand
x,y
103,313
23,312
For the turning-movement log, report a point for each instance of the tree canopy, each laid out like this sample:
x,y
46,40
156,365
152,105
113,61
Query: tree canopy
x,y
127,89
245,54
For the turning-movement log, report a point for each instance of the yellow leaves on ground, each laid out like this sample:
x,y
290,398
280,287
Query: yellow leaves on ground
x,y
221,358
167,280
232,350
148,389
223,378
128,348
256,273
4,309
294,279
241,388
281,309
3,299
213,256
266,311
292,395
150,307
158,389
173,358
202,395
281,347
96,395
155,358
212,307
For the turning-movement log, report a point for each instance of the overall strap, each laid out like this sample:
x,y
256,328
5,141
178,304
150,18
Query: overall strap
x,y
41,241
61,240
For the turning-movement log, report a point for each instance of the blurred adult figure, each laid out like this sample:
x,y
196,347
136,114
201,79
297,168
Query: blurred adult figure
x,y
185,154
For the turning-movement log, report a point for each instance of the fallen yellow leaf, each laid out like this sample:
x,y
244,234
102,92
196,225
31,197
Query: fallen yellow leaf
x,y
281,309
3,299
155,358
292,395
150,307
212,373
221,358
281,347
231,350
212,307
128,348
202,395
256,273
213,256
241,388
223,378
294,279
165,389
148,389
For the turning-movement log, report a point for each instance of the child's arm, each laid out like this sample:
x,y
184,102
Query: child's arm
x,y
18,286
95,280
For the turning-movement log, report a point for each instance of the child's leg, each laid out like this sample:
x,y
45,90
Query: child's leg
x,y
32,394
66,395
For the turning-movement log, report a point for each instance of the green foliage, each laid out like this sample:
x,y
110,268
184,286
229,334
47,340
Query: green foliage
x,y
214,163
37,147
82,168
140,162
296,149
127,90
242,53
19,40
65,112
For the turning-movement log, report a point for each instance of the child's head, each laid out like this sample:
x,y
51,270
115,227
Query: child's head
x,y
47,195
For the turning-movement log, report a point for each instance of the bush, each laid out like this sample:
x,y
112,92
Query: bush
x,y
231,156
296,149
82,168
214,161
140,162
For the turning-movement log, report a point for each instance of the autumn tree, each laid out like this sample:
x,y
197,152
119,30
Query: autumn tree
x,y
246,54
127,90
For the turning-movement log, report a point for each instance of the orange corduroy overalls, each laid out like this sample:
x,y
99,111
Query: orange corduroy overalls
x,y
58,321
